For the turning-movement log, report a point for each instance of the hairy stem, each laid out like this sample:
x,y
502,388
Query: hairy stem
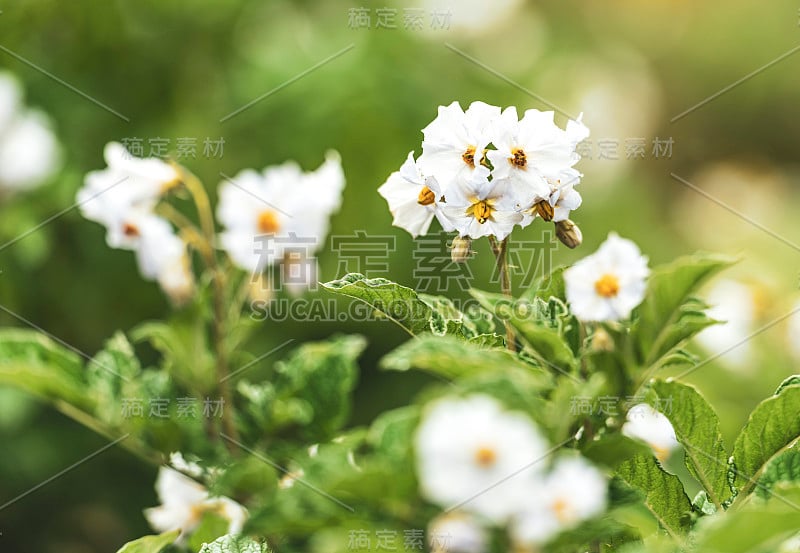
x,y
206,215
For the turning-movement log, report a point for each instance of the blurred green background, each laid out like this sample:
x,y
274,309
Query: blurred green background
x,y
175,68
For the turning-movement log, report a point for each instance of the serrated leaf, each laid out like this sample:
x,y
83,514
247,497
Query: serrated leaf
x,y
538,324
669,315
664,495
697,428
399,303
791,381
37,365
234,544
453,358
783,468
150,544
772,425
320,376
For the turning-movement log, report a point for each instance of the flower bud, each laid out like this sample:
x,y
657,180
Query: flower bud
x,y
461,251
569,233
544,209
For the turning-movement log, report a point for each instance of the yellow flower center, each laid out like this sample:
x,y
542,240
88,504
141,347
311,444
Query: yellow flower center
x,y
607,286
562,510
426,196
544,209
518,158
268,222
481,210
485,457
469,156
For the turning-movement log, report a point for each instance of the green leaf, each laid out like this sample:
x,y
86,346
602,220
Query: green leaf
x,y
698,430
792,380
539,324
783,468
37,365
211,527
150,544
234,544
400,304
453,358
669,315
320,376
758,528
549,286
772,426
664,495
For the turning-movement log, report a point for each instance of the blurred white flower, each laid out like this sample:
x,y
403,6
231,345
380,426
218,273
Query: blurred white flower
x,y
454,142
478,207
179,462
184,502
573,492
473,454
793,330
122,198
29,151
648,425
734,305
283,209
457,533
608,284
413,199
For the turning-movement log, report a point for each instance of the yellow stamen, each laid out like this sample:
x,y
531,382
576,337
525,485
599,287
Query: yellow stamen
x,y
562,510
518,158
607,286
268,222
481,210
485,457
469,156
426,196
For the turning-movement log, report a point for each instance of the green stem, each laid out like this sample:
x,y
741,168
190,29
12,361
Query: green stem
x,y
501,255
206,215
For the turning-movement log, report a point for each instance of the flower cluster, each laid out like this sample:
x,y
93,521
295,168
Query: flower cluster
x,y
123,198
29,152
282,207
483,171
475,457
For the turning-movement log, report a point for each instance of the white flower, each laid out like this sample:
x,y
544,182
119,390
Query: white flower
x,y
533,152
128,182
648,425
184,502
608,284
457,533
572,493
29,151
478,207
454,142
734,305
474,455
267,214
413,199
179,462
